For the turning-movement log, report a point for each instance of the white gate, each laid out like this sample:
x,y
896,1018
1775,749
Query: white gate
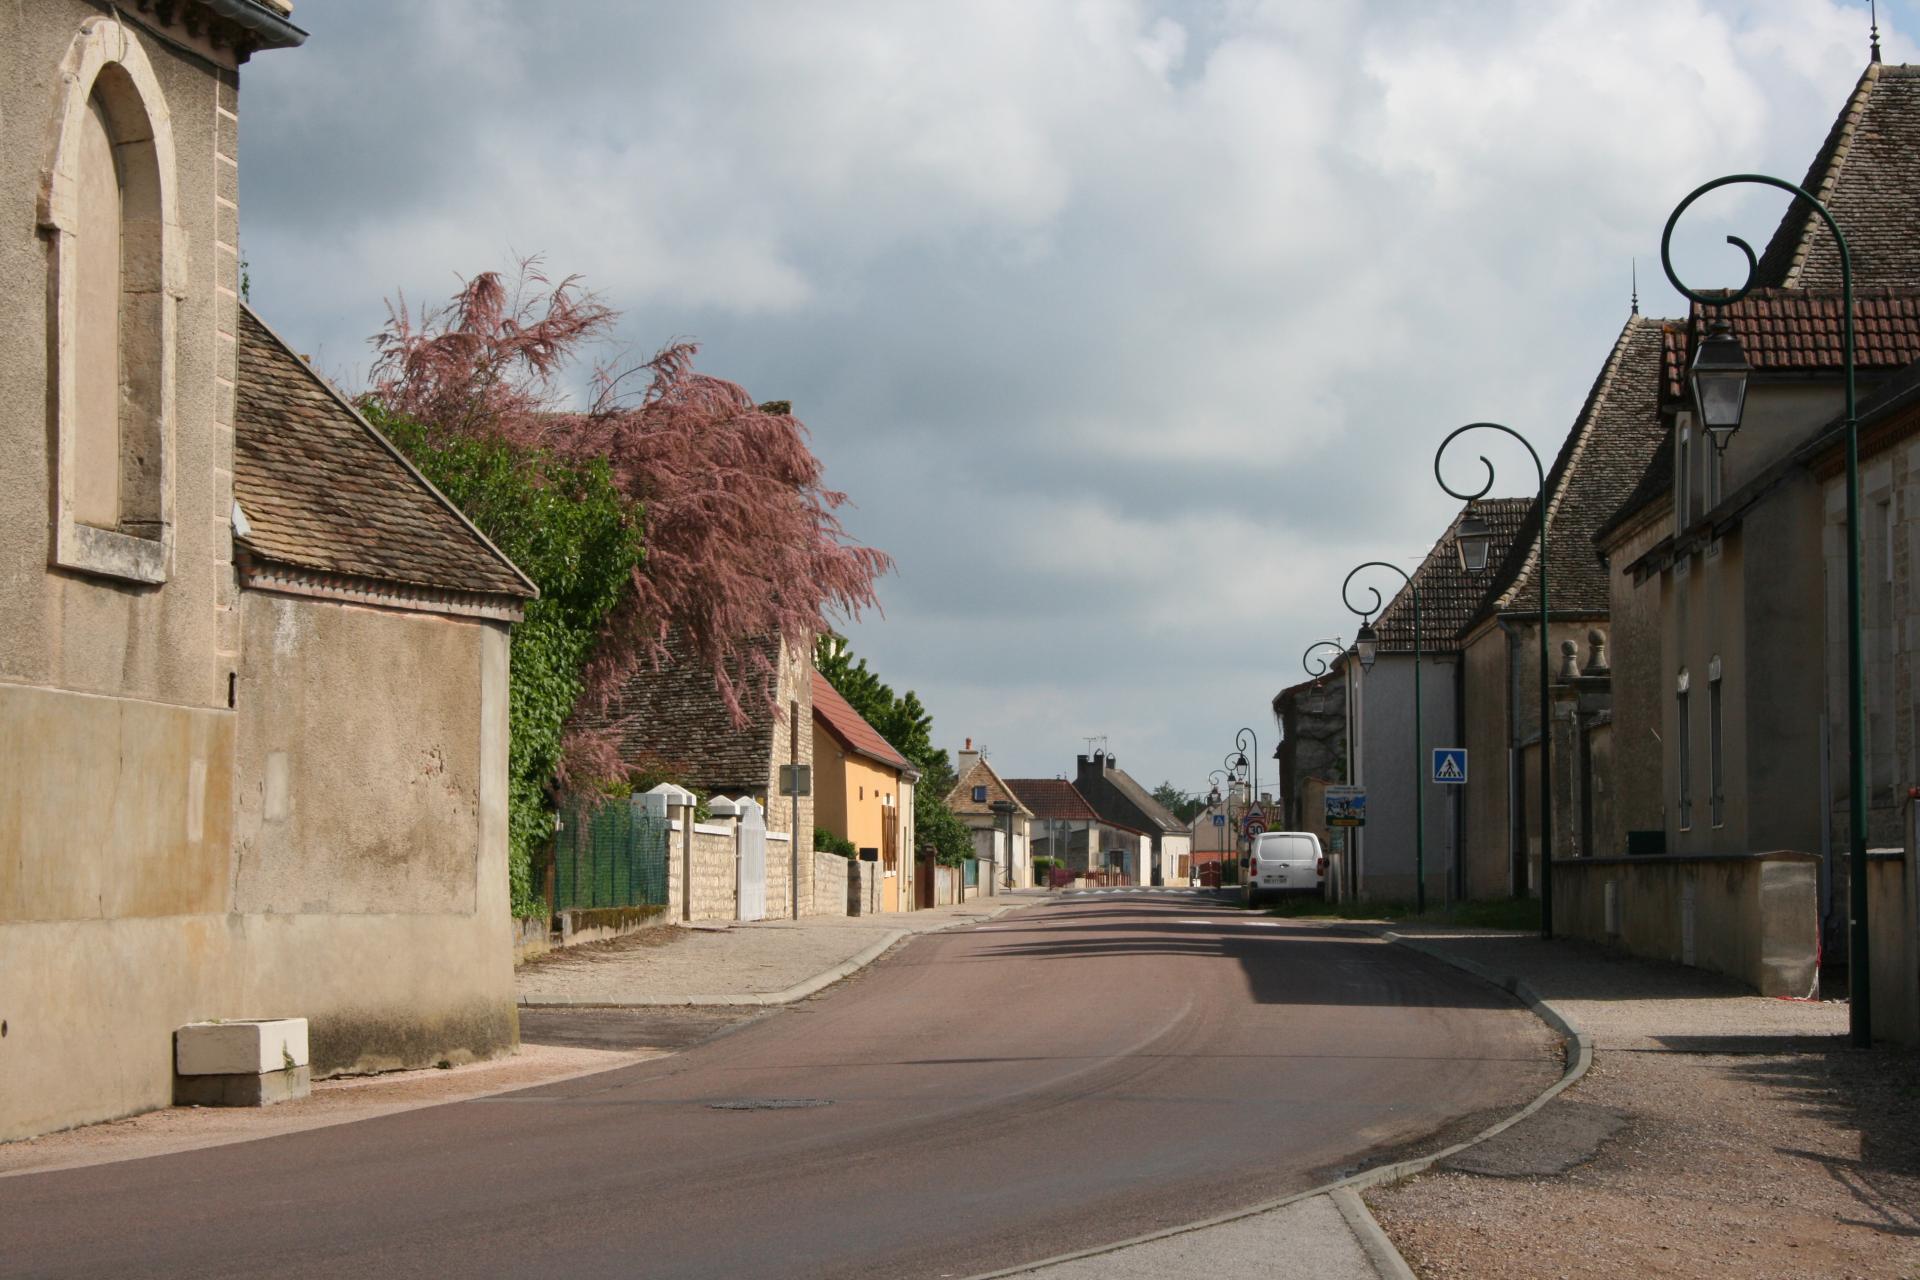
x,y
752,854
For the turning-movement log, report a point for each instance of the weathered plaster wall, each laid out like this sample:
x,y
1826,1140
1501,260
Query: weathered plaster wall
x,y
59,629
1639,685
361,803
1487,861
1391,760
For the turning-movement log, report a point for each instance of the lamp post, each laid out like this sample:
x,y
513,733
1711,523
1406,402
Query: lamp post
x,y
1217,777
1235,763
1367,646
1719,377
1472,540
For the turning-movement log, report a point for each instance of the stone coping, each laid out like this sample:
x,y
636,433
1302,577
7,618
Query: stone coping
x,y
1668,859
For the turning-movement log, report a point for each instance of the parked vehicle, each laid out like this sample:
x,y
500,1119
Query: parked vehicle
x,y
1285,862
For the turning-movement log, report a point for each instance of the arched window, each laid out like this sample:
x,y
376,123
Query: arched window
x,y
109,214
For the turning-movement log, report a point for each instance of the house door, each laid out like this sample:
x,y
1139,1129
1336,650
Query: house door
x,y
752,855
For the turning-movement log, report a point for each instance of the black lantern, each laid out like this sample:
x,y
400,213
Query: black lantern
x,y
1719,376
1366,645
1472,539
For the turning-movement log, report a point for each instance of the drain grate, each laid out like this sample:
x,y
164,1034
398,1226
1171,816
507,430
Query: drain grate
x,y
768,1104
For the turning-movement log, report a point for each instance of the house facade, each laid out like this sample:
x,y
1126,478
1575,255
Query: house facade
x,y
1395,768
253,668
863,792
972,800
1120,800
1066,828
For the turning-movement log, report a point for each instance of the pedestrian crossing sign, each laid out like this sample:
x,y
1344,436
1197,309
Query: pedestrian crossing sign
x,y
1450,764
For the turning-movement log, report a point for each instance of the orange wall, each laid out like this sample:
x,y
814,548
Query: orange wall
x,y
850,791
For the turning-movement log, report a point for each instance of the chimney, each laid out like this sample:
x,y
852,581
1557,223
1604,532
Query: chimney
x,y
965,759
969,745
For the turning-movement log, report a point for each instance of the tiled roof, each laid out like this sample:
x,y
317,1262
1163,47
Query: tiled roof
x,y
851,727
1605,455
1449,596
1801,331
982,774
1054,798
1152,810
322,490
1868,174
675,720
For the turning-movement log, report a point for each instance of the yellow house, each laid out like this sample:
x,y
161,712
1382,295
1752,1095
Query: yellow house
x,y
863,792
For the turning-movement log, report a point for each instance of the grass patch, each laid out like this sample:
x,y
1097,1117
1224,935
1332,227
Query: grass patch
x,y
1519,915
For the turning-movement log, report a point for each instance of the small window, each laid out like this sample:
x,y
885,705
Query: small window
x,y
863,793
1683,476
979,795
1716,765
1683,750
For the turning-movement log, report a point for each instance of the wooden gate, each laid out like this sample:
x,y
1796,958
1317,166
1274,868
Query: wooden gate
x,y
752,854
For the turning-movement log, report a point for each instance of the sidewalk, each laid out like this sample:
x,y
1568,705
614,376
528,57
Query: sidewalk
x,y
765,962
1717,1133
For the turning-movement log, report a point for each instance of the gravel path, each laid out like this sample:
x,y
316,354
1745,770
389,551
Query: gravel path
x,y
695,964
1718,1134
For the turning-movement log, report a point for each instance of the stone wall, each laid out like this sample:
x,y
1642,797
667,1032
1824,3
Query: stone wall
x,y
1893,938
863,887
1750,916
829,884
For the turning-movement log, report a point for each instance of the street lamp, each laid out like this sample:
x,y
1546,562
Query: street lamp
x,y
1726,402
1473,559
1472,541
1719,377
1221,778
1367,644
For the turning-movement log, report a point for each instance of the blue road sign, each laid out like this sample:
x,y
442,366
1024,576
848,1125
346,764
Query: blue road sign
x,y
1219,819
1450,764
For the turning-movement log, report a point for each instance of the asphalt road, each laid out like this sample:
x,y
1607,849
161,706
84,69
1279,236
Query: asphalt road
x,y
1059,1078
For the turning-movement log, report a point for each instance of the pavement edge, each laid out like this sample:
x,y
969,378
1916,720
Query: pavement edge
x,y
1344,1192
799,990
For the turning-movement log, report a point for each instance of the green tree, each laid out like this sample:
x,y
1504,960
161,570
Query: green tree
x,y
571,531
1183,805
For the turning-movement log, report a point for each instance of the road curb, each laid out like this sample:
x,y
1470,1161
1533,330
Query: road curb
x,y
798,991
1344,1192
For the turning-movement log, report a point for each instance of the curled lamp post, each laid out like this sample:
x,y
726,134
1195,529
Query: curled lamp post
x,y
1720,394
1472,540
1241,740
1367,646
1318,664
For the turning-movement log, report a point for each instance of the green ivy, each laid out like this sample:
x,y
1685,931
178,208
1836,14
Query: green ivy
x,y
570,530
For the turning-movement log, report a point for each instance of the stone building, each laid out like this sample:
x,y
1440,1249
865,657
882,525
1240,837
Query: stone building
x,y
978,788
672,724
1615,434
253,668
1390,763
1120,800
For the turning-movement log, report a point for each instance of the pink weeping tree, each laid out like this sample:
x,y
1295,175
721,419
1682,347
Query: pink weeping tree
x,y
742,538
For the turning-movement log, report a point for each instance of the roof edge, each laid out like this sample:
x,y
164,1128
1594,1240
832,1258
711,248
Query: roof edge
x,y
333,392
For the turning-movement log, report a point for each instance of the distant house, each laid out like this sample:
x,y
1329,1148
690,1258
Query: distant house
x,y
864,792
972,800
1066,828
1118,799
672,722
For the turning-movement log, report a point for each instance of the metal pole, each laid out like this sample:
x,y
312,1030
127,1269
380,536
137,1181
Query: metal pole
x,y
1859,958
1546,691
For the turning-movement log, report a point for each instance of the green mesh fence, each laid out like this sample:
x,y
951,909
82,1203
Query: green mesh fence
x,y
610,856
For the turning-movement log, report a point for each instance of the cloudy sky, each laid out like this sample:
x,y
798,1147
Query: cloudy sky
x,y
1129,327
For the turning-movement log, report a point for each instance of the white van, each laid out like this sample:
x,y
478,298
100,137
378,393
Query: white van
x,y
1284,862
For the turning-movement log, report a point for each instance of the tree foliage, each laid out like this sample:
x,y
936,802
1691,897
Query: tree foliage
x,y
1183,805
905,723
578,538
742,537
